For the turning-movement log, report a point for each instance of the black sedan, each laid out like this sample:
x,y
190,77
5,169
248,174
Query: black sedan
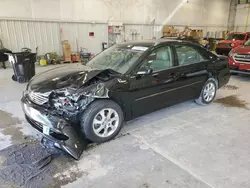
x,y
123,82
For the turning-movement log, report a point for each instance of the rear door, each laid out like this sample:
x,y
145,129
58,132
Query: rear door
x,y
192,70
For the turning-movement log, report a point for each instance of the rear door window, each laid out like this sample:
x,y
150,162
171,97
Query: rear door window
x,y
187,55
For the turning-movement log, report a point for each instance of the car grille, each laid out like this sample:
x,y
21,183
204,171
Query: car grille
x,y
245,58
38,98
224,45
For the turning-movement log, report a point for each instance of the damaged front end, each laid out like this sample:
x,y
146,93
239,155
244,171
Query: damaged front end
x,y
58,117
69,103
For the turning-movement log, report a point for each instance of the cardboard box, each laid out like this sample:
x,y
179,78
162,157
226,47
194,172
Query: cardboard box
x,y
196,33
66,50
166,29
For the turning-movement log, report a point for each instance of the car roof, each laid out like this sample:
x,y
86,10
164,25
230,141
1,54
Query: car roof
x,y
148,43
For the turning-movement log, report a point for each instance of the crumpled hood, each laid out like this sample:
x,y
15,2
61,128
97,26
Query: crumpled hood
x,y
62,77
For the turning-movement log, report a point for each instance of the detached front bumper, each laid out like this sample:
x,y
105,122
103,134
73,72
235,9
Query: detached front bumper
x,y
54,128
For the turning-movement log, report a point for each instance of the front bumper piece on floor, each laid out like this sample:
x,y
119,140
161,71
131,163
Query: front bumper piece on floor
x,y
54,128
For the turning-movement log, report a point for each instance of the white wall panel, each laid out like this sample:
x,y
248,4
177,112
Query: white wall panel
x,y
80,32
191,12
46,35
143,32
241,18
45,23
15,9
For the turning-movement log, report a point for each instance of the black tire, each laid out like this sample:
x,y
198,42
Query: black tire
x,y
201,100
14,78
89,115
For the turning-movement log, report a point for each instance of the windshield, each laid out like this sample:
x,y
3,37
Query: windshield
x,y
117,58
247,43
235,37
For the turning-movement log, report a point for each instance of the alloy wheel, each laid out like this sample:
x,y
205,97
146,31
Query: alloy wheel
x,y
106,122
209,92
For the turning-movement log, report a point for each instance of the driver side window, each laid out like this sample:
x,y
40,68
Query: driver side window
x,y
159,59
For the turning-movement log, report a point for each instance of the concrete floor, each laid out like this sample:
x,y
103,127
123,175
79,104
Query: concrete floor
x,y
186,145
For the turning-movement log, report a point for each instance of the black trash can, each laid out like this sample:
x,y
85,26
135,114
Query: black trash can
x,y
23,64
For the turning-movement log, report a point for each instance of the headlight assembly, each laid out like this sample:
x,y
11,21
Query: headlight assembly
x,y
231,53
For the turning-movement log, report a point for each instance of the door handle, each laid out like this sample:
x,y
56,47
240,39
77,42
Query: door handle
x,y
155,74
174,75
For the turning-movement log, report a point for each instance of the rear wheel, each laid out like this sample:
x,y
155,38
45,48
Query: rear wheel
x,y
102,121
208,92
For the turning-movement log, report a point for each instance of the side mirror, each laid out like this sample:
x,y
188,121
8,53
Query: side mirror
x,y
145,71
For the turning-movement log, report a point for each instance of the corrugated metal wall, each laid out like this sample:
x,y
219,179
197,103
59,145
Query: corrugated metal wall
x,y
47,35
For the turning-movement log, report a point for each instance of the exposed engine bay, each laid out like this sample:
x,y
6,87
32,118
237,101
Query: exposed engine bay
x,y
69,102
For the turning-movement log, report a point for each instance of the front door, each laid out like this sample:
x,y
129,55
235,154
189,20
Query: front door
x,y
151,92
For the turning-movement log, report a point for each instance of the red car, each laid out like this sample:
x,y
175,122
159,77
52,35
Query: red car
x,y
239,59
232,41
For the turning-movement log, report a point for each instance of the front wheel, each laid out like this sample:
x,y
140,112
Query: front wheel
x,y
102,121
208,92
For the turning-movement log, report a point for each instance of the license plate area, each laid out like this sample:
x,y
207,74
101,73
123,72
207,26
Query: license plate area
x,y
46,130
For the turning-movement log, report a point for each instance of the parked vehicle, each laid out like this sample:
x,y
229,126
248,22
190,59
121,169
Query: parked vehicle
x,y
239,59
232,41
123,82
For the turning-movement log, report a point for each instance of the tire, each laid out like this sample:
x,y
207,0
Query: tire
x,y
14,78
203,100
93,114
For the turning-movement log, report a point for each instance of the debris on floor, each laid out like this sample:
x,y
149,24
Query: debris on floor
x,y
232,101
230,87
27,165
